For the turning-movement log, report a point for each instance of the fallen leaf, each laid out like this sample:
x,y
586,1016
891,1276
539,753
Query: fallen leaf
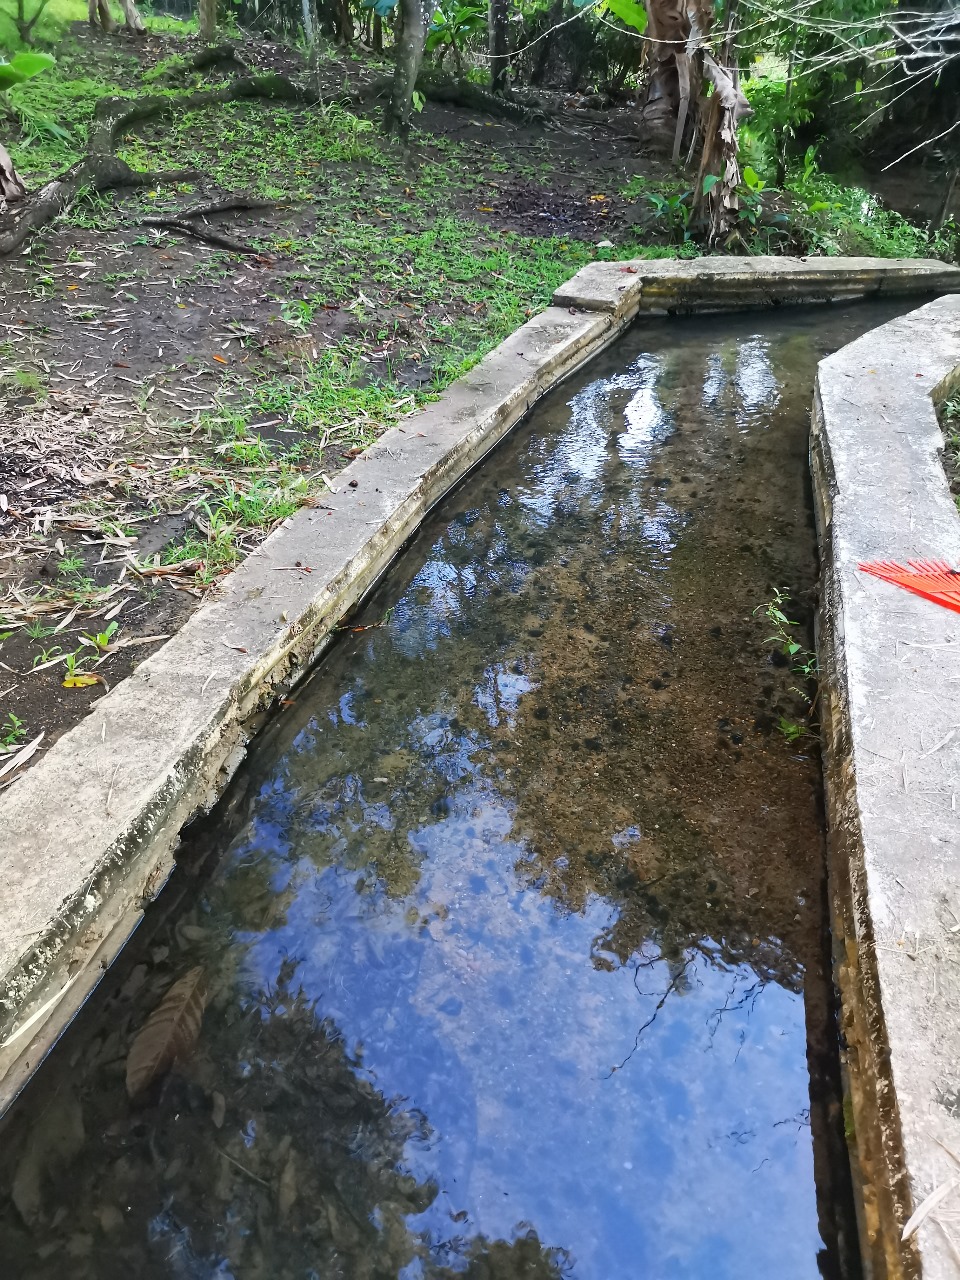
x,y
924,1210
287,1191
83,680
219,1110
56,1138
169,1033
221,359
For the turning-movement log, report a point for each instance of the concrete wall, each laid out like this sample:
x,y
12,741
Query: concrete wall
x,y
890,670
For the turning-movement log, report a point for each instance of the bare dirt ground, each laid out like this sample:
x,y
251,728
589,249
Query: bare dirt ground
x,y
164,403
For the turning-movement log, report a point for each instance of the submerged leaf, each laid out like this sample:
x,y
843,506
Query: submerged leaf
x,y
169,1033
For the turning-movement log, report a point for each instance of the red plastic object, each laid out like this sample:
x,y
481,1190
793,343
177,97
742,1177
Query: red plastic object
x,y
932,579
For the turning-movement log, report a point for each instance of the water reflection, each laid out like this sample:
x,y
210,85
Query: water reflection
x,y
516,942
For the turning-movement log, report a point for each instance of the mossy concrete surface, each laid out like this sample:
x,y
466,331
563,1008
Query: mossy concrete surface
x,y
90,833
890,672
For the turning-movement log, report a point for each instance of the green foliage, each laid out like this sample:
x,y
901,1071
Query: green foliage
x,y
630,13
23,66
674,212
452,25
49,27
779,109
834,218
12,731
803,662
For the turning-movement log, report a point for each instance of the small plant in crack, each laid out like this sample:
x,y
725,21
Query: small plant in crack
x,y
802,661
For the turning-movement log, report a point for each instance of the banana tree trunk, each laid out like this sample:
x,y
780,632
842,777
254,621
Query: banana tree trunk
x,y
11,184
675,30
719,160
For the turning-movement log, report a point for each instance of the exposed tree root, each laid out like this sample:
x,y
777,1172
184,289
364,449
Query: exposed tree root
x,y
101,170
204,234
218,55
232,202
464,93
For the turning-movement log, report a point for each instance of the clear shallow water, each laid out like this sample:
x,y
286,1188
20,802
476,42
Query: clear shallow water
x,y
514,922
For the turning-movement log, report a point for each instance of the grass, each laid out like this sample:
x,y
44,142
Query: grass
x,y
12,731
57,16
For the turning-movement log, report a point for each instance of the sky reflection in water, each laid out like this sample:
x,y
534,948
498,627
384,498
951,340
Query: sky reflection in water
x,y
648,1117
514,932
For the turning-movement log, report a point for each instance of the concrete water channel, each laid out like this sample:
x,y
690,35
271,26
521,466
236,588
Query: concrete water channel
x,y
514,924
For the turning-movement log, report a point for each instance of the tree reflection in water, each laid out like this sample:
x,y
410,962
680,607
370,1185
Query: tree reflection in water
x,y
510,915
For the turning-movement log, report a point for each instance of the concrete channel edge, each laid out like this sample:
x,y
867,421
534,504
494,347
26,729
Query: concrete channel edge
x,y
88,836
891,754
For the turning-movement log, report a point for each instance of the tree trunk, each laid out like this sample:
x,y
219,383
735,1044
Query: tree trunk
x,y
344,22
410,41
11,184
24,24
676,31
208,20
377,38
132,17
725,109
100,10
497,13
554,15
309,33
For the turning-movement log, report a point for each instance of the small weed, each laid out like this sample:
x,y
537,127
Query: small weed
x,y
75,662
102,640
47,655
803,662
12,731
37,631
23,382
70,565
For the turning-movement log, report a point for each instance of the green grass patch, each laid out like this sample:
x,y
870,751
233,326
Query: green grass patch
x,y
59,14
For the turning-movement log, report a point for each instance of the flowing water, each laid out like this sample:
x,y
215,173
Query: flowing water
x,y
513,925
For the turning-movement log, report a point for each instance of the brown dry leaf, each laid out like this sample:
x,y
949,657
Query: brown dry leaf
x,y
169,1033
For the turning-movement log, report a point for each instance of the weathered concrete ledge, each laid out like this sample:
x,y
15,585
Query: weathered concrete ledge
x,y
672,286
891,716
89,834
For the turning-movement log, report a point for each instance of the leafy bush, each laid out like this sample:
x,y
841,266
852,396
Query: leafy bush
x,y
834,218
